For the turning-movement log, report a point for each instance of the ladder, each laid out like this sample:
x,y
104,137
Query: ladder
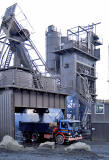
x,y
8,59
37,81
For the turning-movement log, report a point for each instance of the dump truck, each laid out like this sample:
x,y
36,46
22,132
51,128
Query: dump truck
x,y
60,132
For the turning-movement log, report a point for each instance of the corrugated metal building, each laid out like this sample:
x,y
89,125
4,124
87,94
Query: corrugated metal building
x,y
17,92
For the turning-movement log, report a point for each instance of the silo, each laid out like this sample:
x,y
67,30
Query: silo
x,y
53,41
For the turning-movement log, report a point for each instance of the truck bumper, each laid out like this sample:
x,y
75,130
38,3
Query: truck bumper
x,y
74,138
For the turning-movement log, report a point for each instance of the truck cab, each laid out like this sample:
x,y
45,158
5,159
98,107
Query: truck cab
x,y
69,130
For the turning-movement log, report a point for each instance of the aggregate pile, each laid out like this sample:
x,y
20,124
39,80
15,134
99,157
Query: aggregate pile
x,y
10,144
50,145
78,146
11,149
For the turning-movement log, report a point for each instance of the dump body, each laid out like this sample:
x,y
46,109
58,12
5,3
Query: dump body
x,y
35,127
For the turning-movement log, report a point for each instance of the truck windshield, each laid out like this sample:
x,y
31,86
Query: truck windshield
x,y
64,125
74,124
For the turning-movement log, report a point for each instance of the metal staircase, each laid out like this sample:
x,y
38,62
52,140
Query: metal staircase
x,y
85,116
42,62
85,97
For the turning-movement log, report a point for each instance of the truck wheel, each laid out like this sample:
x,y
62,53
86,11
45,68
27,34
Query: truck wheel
x,y
59,139
35,137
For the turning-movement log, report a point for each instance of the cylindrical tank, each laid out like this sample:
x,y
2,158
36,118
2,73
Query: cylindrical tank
x,y
53,42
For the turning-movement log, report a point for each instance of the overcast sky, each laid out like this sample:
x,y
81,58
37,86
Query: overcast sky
x,y
65,14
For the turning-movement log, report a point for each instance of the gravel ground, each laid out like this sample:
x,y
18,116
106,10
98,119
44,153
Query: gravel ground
x,y
99,151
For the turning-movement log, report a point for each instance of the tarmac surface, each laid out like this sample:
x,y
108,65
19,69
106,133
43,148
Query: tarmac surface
x,y
99,151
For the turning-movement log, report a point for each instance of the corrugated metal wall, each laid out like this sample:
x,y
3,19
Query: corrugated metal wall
x,y
6,113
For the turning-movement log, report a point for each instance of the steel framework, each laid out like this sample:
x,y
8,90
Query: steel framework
x,y
17,48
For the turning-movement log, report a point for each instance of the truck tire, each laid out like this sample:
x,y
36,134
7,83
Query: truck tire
x,y
35,137
59,139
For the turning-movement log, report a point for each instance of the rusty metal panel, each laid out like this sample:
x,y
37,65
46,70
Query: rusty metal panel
x,y
33,99
6,113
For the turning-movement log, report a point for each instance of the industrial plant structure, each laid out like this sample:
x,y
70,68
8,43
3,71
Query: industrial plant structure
x,y
72,59
26,81
74,56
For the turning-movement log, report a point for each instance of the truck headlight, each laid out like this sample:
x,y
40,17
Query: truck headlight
x,y
69,134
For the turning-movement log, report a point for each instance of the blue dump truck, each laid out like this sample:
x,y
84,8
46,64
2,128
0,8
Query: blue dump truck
x,y
60,132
